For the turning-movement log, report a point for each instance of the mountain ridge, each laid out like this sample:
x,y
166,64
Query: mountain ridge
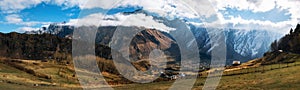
x,y
241,44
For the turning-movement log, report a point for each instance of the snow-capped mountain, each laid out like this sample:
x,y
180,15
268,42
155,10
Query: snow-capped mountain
x,y
59,29
241,45
251,43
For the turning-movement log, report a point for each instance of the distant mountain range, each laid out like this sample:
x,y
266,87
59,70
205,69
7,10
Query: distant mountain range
x,y
242,45
141,46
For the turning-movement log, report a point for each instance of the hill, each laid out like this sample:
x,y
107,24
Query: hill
x,y
285,50
40,47
48,47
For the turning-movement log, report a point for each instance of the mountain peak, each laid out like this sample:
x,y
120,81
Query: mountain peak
x,y
297,29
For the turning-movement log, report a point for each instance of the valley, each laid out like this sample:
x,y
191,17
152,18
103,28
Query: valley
x,y
149,44
53,66
280,77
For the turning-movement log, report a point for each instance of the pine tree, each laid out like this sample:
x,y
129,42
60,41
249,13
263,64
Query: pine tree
x,y
291,31
57,55
297,29
274,46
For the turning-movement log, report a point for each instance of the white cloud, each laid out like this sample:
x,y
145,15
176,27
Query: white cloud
x,y
174,8
24,29
86,4
70,14
240,23
171,8
165,8
261,6
17,20
140,20
292,6
256,6
12,6
14,18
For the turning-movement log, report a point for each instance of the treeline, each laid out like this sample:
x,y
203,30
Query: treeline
x,y
285,50
41,47
289,43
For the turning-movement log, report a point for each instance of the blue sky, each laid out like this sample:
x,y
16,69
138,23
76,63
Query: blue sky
x,y
273,15
40,13
17,16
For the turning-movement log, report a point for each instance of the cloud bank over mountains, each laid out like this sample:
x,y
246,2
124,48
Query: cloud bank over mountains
x,y
120,20
276,15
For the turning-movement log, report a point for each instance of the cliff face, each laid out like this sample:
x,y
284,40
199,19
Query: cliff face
x,y
146,41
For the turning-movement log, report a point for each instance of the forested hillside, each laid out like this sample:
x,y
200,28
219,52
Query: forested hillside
x,y
285,49
40,47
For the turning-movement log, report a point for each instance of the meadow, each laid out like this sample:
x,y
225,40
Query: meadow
x,y
274,76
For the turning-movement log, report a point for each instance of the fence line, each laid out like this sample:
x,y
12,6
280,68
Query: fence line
x,y
262,68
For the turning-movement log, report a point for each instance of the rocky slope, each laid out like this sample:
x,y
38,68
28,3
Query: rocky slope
x,y
141,45
242,45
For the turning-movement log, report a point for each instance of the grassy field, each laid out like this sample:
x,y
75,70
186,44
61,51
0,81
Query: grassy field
x,y
286,78
277,79
16,77
275,76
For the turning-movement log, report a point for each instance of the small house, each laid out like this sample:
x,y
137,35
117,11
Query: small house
x,y
236,63
174,77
